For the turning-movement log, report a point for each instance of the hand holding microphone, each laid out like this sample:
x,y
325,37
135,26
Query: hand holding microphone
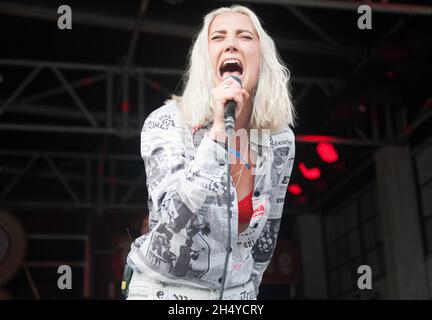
x,y
230,109
228,99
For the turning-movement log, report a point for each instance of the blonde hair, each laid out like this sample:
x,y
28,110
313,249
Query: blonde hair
x,y
272,105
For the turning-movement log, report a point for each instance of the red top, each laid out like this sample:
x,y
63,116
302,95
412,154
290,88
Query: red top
x,y
245,209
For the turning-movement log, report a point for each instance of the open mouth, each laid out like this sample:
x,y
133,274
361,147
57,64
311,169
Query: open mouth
x,y
231,67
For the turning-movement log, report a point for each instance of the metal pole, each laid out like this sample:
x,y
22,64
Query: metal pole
x,y
374,120
87,269
88,67
88,180
60,89
109,99
135,34
112,181
17,178
132,189
151,27
52,236
100,186
141,97
69,155
51,205
20,88
61,129
31,282
410,128
75,97
61,178
53,113
71,177
319,31
395,8
135,69
340,185
389,124
125,103
303,93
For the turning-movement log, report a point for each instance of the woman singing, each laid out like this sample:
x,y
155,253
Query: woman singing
x,y
189,252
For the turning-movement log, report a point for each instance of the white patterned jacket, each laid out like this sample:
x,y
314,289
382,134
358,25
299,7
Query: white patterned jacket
x,y
186,181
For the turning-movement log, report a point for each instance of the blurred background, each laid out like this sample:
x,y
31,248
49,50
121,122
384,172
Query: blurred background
x,y
72,103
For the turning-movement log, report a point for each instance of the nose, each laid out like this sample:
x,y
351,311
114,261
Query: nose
x,y
231,45
231,49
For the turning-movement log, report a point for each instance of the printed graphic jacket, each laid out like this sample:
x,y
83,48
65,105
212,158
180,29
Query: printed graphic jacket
x,y
186,181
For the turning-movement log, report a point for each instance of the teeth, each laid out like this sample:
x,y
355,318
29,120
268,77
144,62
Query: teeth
x,y
231,61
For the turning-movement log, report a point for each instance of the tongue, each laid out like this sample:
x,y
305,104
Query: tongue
x,y
230,73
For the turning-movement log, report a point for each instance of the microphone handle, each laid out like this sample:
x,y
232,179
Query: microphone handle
x,y
230,107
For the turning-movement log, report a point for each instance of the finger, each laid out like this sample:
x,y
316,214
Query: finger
x,y
230,92
238,98
230,82
245,94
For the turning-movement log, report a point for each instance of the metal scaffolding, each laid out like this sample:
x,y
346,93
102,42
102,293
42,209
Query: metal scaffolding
x,y
101,191
156,27
113,120
97,182
120,120
384,7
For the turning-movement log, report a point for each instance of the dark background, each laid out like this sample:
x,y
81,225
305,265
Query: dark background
x,y
72,103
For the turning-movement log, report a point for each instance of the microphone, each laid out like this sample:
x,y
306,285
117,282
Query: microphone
x,y
230,107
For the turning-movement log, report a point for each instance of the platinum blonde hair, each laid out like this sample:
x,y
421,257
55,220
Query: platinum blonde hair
x,y
272,105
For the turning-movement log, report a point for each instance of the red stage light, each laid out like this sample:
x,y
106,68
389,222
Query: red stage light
x,y
302,199
295,189
327,152
125,106
309,173
315,138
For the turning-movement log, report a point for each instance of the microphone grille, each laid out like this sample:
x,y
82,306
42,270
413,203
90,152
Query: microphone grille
x,y
237,79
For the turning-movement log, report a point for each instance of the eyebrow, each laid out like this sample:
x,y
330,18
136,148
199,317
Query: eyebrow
x,y
237,32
